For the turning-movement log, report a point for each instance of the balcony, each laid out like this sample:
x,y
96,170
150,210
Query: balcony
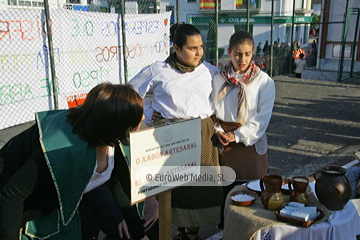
x,y
303,11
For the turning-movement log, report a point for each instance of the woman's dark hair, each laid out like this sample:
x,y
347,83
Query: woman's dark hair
x,y
108,114
240,37
179,33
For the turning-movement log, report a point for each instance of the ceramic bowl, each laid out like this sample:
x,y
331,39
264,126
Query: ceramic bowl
x,y
243,198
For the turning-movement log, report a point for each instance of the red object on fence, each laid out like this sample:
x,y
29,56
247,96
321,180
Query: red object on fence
x,y
296,54
76,100
312,32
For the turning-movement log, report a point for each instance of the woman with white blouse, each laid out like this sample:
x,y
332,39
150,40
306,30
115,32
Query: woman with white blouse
x,y
181,89
244,97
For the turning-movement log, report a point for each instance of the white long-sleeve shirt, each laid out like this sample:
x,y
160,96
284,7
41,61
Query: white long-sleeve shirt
x,y
260,96
175,94
98,179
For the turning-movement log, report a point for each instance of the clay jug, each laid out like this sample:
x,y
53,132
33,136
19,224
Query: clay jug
x,y
271,195
297,187
332,187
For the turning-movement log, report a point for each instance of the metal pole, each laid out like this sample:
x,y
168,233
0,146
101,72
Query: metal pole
x,y
248,16
343,42
355,43
292,36
216,32
271,38
178,11
51,55
123,35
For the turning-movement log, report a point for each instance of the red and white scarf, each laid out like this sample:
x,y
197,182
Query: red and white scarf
x,y
233,81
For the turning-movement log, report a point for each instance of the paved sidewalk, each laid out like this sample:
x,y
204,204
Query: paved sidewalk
x,y
315,123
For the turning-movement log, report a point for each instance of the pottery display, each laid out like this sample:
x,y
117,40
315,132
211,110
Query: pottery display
x,y
332,187
297,187
271,196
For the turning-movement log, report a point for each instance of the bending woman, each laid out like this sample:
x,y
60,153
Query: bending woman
x,y
181,87
45,170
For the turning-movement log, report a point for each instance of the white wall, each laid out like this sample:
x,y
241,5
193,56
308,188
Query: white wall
x,y
186,9
163,5
355,3
266,6
261,34
317,9
52,4
131,7
224,33
287,8
282,33
3,4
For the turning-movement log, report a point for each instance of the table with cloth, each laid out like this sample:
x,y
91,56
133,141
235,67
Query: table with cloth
x,y
257,223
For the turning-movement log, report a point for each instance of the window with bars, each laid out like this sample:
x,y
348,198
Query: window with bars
x,y
26,3
73,1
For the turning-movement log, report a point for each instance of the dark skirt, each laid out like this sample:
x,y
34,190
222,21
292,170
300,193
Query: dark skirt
x,y
246,162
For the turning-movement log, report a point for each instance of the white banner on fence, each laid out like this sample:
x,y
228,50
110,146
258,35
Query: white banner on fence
x,y
87,51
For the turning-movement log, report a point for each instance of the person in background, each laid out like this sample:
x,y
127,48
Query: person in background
x,y
266,49
244,97
312,33
314,46
295,46
276,48
181,87
46,170
259,50
300,64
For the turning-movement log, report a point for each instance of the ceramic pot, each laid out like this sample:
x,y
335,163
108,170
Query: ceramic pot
x,y
297,187
271,195
332,187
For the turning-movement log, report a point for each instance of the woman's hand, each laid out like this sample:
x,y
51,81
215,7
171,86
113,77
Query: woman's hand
x,y
156,116
225,138
222,138
230,136
123,228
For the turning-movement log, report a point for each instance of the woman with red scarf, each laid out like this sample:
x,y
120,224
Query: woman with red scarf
x,y
244,97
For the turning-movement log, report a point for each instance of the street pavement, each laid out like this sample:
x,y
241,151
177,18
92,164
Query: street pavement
x,y
314,123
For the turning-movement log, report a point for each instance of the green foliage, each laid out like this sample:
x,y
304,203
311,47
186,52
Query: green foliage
x,y
315,20
210,46
221,52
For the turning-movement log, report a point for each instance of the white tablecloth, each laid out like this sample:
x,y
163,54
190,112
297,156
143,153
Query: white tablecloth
x,y
342,225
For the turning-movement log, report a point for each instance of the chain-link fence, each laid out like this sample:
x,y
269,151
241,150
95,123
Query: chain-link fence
x,y
52,56
334,47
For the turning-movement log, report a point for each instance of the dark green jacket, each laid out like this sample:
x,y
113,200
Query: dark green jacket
x,y
42,182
